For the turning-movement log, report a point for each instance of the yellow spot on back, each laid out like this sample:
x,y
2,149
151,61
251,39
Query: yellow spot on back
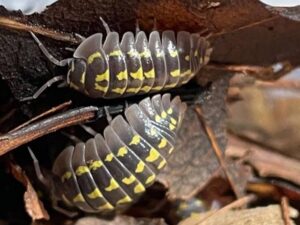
x,y
109,157
145,54
82,170
129,180
157,88
164,115
187,58
153,131
157,118
67,175
101,88
82,79
170,85
162,164
153,155
175,73
93,56
159,54
163,143
105,206
119,90
139,188
95,164
132,90
173,121
113,185
102,76
150,73
122,151
140,167
135,140
115,53
95,194
126,199
78,198
171,127
138,75
186,73
196,53
171,150
146,88
122,75
170,111
133,53
150,179
173,53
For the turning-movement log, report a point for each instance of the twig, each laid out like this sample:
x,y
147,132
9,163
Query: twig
x,y
285,210
52,110
274,71
14,24
216,149
247,26
40,128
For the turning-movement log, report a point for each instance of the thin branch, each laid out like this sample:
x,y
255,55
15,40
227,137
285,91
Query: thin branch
x,y
247,26
50,111
40,128
216,148
285,210
272,72
14,24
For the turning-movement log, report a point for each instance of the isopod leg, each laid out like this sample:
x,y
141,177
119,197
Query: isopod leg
x,y
43,88
51,58
89,130
37,168
108,116
137,27
105,25
82,38
68,213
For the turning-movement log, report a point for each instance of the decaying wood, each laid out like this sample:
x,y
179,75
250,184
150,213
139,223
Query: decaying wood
x,y
267,163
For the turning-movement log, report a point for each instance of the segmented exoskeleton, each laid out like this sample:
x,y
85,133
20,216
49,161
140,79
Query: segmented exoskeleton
x,y
134,66
110,173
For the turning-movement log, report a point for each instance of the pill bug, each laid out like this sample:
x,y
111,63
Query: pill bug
x,y
107,174
133,66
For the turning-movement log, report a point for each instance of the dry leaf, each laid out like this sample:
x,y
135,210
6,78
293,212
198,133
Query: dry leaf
x,y
33,205
193,162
